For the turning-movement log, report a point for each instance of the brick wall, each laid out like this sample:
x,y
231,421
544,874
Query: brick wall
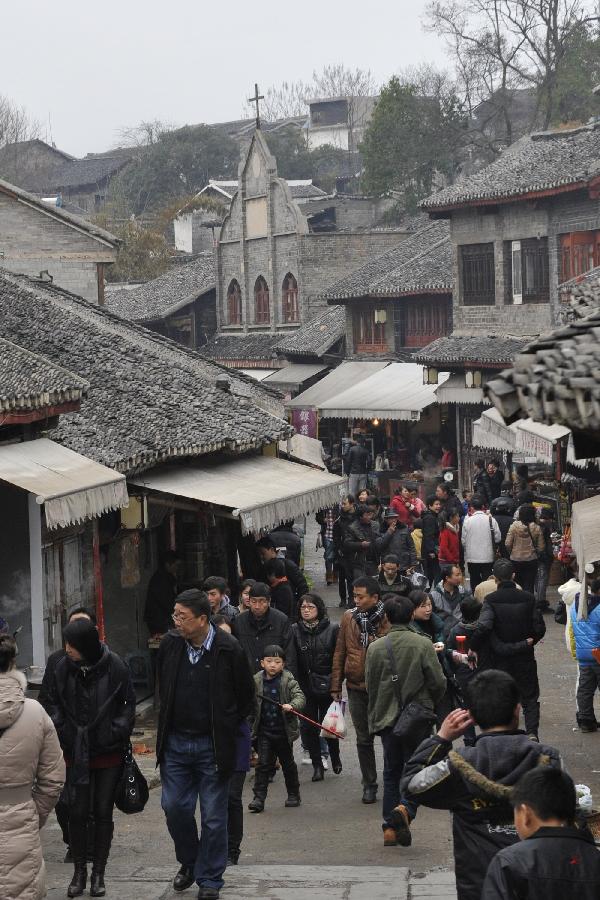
x,y
31,241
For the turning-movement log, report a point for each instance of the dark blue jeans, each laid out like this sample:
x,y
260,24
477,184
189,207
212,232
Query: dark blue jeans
x,y
188,773
395,756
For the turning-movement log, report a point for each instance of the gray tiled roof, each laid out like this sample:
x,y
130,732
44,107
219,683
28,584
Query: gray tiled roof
x,y
58,212
166,294
150,399
421,263
30,381
548,161
582,293
253,345
83,172
556,378
317,336
461,348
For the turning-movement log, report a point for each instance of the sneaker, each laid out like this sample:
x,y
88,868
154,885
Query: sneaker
x,y
324,762
400,820
306,760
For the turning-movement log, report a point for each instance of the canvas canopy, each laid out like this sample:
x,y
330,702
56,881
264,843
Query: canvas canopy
x,y
71,487
395,392
260,491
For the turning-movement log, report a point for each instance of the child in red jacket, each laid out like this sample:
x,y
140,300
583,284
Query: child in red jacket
x,y
449,544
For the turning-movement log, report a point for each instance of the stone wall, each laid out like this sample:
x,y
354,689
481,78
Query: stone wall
x,y
32,241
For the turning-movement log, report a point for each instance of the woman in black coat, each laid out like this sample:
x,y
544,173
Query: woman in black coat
x,y
315,638
92,705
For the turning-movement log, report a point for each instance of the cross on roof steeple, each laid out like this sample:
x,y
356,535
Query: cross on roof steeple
x,y
256,99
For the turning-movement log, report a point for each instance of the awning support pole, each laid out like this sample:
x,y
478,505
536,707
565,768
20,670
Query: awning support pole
x,y
98,586
36,581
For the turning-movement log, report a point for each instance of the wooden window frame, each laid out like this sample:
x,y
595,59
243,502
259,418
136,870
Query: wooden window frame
x,y
262,302
289,300
234,303
477,275
579,252
369,336
534,266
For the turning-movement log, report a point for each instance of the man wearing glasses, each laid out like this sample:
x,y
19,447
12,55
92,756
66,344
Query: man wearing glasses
x,y
262,625
206,690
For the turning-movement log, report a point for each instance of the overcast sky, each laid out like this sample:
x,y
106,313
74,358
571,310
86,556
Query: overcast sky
x,y
91,69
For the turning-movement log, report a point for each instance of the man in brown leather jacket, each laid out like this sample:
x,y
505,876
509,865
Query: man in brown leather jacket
x,y
359,627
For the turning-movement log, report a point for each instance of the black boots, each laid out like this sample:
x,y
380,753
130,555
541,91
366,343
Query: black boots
x,y
318,773
103,840
79,880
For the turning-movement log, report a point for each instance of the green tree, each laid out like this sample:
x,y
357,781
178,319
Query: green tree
x,y
170,164
295,160
412,137
143,255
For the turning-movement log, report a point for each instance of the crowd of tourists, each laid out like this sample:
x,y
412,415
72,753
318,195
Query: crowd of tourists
x,y
440,670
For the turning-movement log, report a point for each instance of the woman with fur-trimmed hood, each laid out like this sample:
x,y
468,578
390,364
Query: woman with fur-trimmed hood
x,y
32,773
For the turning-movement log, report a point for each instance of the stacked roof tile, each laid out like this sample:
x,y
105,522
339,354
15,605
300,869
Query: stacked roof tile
x,y
251,346
316,336
421,263
479,348
166,294
150,399
29,381
537,163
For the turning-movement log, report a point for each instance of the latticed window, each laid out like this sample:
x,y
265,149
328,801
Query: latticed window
x,y
262,312
234,304
580,252
527,278
369,335
290,299
478,286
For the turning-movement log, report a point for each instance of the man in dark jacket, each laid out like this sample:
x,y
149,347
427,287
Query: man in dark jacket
x,y
391,580
285,536
162,590
361,543
340,526
481,482
514,623
450,502
475,783
503,510
554,859
447,595
282,596
431,538
206,691
396,540
262,625
495,478
357,462
267,550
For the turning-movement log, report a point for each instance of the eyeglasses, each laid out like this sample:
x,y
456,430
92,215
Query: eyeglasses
x,y
177,617
307,606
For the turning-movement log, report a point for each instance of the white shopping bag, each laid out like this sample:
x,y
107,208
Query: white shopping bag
x,y
334,720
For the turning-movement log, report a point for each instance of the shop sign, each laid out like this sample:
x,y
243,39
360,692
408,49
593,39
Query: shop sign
x,y
536,446
305,422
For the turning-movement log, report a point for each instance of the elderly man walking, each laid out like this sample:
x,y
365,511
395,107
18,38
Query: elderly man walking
x,y
206,691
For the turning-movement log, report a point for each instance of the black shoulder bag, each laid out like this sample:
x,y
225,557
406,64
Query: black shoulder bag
x,y
319,685
131,793
414,720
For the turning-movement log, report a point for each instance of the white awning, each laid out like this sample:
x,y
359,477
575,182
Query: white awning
x,y
533,440
71,487
258,374
454,391
304,449
585,540
295,374
259,490
334,383
396,392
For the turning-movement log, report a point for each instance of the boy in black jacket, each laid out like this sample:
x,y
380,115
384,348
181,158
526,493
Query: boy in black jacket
x,y
475,783
554,859
513,622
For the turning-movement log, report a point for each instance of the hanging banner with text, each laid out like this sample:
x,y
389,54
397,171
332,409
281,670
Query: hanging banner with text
x,y
305,422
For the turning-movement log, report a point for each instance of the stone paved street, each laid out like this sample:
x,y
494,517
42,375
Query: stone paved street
x,y
331,847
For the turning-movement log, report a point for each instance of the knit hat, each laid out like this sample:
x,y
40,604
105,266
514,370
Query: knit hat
x,y
84,637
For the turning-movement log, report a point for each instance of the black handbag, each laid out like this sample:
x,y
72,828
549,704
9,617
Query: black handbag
x,y
320,685
131,794
414,720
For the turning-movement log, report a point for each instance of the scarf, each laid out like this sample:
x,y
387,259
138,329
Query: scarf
x,y
368,622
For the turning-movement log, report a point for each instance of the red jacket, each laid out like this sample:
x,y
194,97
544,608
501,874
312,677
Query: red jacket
x,y
405,514
449,546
